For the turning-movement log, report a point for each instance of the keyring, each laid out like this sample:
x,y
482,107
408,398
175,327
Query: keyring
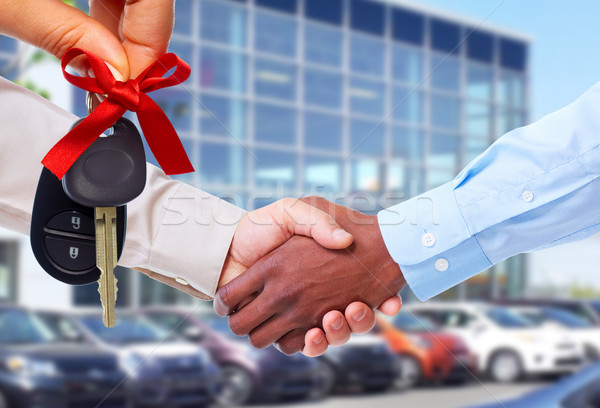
x,y
89,102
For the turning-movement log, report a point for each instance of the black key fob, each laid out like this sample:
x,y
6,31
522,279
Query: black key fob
x,y
63,233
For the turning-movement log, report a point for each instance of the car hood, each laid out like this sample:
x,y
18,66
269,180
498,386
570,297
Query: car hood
x,y
57,351
161,349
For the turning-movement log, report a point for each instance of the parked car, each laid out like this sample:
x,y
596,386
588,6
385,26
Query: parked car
x,y
426,353
507,345
248,374
365,362
581,390
586,309
39,367
587,334
163,371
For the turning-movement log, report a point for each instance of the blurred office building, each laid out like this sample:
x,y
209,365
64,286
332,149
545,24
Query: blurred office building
x,y
365,102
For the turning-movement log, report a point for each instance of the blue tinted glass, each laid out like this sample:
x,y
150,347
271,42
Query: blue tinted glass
x,y
289,6
274,168
220,116
177,105
437,177
275,79
322,131
190,147
513,54
224,23
444,151
222,164
408,26
223,70
445,112
509,119
275,34
323,45
323,88
367,16
367,138
408,104
184,50
474,147
274,124
407,64
478,119
78,105
329,11
7,44
445,73
183,17
367,97
367,55
445,36
407,143
511,90
366,175
322,173
480,46
480,82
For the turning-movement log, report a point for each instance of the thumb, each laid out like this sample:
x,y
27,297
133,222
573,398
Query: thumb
x,y
56,27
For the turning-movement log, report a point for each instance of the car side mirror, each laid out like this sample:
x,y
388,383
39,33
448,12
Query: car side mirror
x,y
194,333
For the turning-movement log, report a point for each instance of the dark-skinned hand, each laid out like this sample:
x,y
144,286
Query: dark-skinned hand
x,y
295,285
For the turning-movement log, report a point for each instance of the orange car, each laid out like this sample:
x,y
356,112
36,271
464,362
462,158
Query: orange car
x,y
426,354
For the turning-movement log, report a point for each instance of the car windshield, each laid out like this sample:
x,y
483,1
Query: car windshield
x,y
128,329
63,328
596,306
409,322
507,318
565,318
20,327
219,324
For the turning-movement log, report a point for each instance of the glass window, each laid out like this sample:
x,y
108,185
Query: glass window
x,y
183,49
367,97
511,90
221,116
222,163
8,44
408,26
445,111
445,36
366,175
274,169
367,55
408,104
513,54
87,295
322,131
445,73
9,255
405,182
444,151
323,45
183,17
478,119
509,119
275,79
437,177
480,46
223,70
367,16
330,11
474,147
407,64
274,124
288,6
367,138
153,292
275,34
407,143
223,22
323,88
322,174
396,176
480,82
177,104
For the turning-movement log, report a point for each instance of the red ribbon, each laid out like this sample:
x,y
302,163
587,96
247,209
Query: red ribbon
x,y
122,96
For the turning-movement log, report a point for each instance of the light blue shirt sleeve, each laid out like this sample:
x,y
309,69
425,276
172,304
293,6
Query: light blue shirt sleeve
x,y
535,187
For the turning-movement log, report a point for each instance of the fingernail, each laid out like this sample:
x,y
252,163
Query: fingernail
x,y
341,233
318,339
114,71
337,323
359,317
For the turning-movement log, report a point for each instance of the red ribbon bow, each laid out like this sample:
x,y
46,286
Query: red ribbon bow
x,y
122,96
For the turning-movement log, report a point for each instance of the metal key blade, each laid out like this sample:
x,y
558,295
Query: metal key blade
x,y
106,260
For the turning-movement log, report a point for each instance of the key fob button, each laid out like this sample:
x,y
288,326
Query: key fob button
x,y
72,255
72,221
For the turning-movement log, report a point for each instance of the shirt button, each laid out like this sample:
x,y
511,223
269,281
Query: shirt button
x,y
428,240
181,281
442,264
527,196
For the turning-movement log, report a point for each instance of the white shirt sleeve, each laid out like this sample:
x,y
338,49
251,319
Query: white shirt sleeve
x,y
174,230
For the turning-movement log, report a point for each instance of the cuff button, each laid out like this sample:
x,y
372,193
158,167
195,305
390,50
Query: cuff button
x,y
527,196
442,264
181,281
428,240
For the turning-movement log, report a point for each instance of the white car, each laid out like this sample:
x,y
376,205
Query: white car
x,y
507,345
581,330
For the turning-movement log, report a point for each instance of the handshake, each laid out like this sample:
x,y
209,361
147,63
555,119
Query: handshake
x,y
280,286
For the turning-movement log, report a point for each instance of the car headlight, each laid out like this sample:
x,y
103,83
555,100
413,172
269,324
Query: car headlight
x,y
131,362
421,342
25,366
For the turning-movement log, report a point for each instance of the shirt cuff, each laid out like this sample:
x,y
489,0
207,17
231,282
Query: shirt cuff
x,y
429,239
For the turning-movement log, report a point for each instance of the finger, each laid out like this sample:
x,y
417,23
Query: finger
x,y
336,328
108,13
271,331
392,306
315,343
252,315
360,317
292,343
229,297
56,27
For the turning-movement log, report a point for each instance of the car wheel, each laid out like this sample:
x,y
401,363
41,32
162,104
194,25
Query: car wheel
x,y
410,374
236,388
325,381
505,366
